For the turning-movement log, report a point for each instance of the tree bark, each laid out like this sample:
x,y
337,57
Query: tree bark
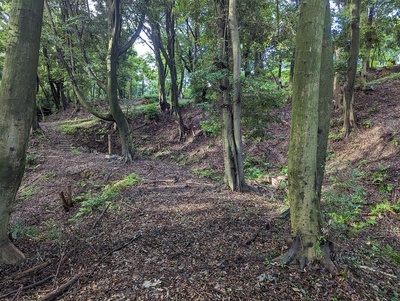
x,y
114,22
349,120
156,39
337,88
237,147
308,131
17,103
231,110
171,35
368,46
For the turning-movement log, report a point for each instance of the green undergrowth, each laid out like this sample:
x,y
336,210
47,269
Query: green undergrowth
x,y
20,230
99,200
385,79
28,192
345,204
72,126
208,173
344,198
255,169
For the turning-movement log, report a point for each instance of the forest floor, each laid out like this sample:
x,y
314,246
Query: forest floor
x,y
165,228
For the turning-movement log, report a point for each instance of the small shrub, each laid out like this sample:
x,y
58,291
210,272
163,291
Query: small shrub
x,y
109,193
212,127
151,111
366,123
21,230
253,173
344,199
31,159
27,192
208,173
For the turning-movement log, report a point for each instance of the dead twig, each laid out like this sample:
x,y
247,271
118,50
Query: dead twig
x,y
27,287
377,271
134,238
61,290
139,127
30,270
101,216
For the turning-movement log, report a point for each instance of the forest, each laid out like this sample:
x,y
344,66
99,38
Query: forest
x,y
199,150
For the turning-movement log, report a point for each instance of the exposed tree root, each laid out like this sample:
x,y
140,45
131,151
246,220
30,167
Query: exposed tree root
x,y
298,254
127,158
9,254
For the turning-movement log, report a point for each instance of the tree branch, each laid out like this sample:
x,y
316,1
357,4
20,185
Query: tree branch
x,y
133,38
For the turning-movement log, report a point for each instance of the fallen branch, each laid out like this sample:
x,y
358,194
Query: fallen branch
x,y
134,238
101,216
28,286
61,290
31,270
139,127
377,271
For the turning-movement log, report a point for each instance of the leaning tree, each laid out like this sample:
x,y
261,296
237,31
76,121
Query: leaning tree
x,y
17,103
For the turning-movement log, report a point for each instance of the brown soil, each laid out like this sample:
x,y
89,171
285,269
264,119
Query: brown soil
x,y
179,236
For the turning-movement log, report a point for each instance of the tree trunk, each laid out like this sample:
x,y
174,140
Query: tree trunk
x,y
170,27
325,101
349,120
258,63
278,34
237,147
307,146
17,103
337,88
324,117
114,22
231,111
368,46
156,39
223,95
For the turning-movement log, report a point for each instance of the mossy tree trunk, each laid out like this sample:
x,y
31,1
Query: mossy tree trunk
x,y
349,119
312,100
17,106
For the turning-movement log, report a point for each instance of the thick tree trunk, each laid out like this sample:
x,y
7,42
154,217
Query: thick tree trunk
x,y
308,134
231,110
349,120
114,22
17,105
223,95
